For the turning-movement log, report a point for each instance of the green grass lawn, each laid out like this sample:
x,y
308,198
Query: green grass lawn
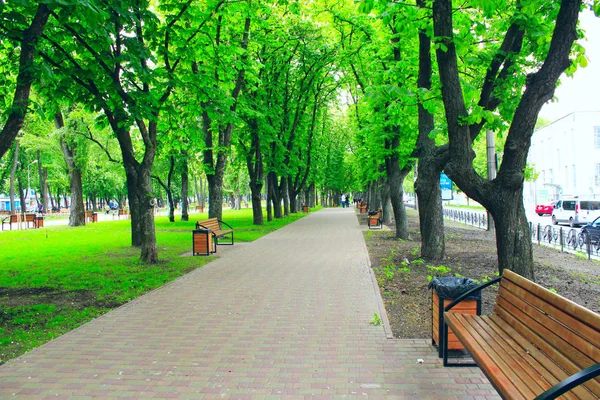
x,y
56,278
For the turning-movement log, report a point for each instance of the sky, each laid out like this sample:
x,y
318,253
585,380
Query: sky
x,y
582,91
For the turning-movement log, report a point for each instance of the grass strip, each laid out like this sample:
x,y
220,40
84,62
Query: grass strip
x,y
57,278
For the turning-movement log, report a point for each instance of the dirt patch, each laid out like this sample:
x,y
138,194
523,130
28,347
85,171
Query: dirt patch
x,y
470,253
79,299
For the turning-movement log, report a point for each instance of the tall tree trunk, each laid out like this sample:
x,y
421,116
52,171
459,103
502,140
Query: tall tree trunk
x,y
94,201
171,205
51,197
202,198
388,209
283,192
431,217
184,189
513,237
13,171
312,194
167,187
215,194
43,176
255,165
269,199
275,195
22,196
141,204
395,180
292,195
197,190
29,40
430,165
257,215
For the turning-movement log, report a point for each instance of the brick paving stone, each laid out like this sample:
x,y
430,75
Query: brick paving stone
x,y
286,316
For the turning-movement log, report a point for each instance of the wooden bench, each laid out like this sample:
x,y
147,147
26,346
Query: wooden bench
x,y
10,220
536,344
29,219
216,227
375,220
15,219
362,207
122,213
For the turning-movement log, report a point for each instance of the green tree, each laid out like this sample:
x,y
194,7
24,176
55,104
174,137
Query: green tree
x,y
549,31
19,33
124,58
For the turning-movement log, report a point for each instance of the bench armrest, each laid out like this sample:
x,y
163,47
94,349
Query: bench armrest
x,y
571,382
470,292
199,225
221,222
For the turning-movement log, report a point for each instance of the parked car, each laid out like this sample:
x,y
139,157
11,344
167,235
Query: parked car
x,y
576,211
544,209
593,230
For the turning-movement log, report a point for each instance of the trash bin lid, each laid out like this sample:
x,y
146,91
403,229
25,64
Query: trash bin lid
x,y
451,287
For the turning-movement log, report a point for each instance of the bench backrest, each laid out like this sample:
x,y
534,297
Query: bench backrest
x,y
14,218
89,213
566,335
29,217
211,223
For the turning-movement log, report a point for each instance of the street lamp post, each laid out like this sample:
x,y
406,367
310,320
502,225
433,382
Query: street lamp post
x,y
29,183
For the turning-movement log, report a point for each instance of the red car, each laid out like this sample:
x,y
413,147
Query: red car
x,y
542,209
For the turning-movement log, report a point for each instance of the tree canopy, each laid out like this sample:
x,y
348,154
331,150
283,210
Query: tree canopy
x,y
286,103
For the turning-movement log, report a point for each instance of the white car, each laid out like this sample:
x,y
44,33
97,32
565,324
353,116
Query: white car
x,y
575,211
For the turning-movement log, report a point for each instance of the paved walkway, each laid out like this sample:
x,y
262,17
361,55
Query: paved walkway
x,y
284,317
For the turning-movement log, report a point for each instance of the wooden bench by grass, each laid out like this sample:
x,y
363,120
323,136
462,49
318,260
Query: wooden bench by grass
x,y
536,344
362,207
216,226
11,219
15,219
375,219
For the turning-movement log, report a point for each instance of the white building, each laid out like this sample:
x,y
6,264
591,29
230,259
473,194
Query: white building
x,y
566,155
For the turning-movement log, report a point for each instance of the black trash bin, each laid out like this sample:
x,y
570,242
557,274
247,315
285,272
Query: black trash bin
x,y
445,290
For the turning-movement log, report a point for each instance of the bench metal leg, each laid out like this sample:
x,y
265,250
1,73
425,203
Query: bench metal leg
x,y
444,346
225,244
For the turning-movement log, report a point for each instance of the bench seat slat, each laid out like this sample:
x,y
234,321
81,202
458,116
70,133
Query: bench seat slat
x,y
515,360
515,356
501,377
565,363
543,365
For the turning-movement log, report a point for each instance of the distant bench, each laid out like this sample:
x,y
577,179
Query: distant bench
x,y
216,227
15,219
375,219
536,344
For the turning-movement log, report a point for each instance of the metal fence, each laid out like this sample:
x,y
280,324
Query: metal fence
x,y
470,217
565,239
